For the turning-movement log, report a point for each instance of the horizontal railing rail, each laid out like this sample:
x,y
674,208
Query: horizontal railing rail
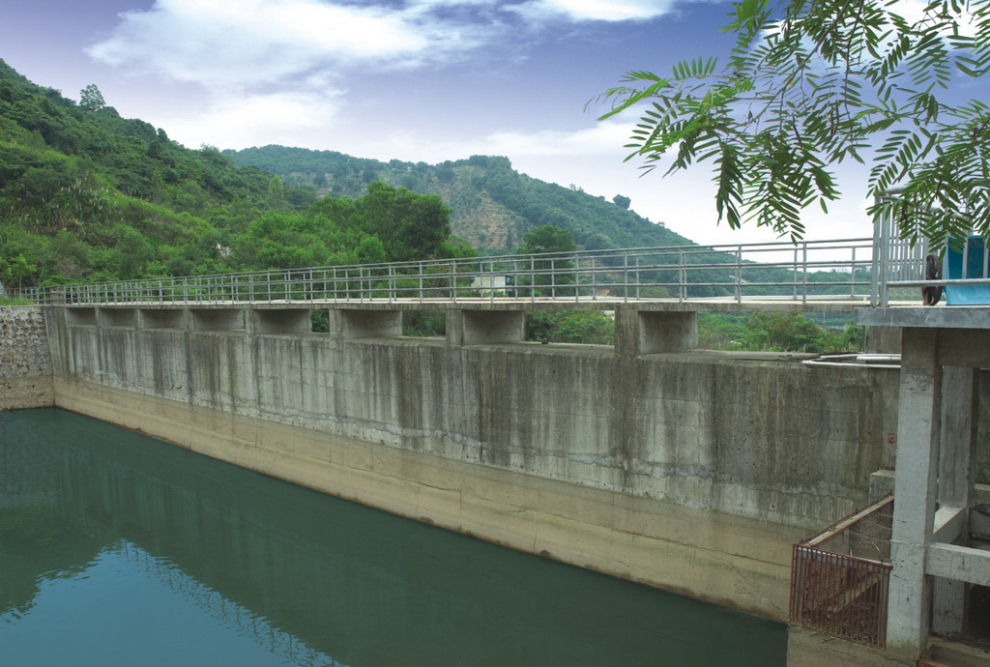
x,y
806,271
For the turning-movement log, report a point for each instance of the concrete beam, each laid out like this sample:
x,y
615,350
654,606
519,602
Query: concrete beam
x,y
950,523
959,563
639,332
216,319
117,317
270,322
162,318
369,323
80,316
485,327
922,317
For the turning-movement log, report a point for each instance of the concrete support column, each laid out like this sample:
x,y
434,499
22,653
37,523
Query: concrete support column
x,y
955,486
280,321
216,319
485,327
918,433
351,324
162,318
644,332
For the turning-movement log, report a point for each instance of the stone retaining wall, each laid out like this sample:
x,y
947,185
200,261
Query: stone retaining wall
x,y
25,360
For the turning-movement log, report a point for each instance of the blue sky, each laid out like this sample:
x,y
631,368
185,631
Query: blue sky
x,y
415,80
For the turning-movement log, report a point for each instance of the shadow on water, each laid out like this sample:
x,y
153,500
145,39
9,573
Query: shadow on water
x,y
350,584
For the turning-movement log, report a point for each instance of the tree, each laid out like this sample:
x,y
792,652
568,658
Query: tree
x,y
547,238
812,83
276,194
622,201
91,98
410,225
555,268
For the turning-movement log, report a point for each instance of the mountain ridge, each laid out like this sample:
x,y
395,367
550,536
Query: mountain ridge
x,y
492,205
89,196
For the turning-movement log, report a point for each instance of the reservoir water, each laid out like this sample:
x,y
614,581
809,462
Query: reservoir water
x,y
117,549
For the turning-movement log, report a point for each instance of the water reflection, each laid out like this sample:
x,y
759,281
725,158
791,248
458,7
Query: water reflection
x,y
208,557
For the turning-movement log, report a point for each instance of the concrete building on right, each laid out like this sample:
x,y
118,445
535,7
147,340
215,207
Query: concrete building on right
x,y
909,576
938,527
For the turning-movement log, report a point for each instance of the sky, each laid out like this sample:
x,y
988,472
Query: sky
x,y
415,80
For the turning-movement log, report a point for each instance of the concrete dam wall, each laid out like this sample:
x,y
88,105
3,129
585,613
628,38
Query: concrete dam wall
x,y
690,470
25,362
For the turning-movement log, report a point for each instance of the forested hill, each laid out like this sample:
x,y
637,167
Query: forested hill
x,y
491,204
86,195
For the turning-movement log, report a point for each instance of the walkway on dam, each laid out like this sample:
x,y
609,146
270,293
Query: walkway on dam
x,y
810,272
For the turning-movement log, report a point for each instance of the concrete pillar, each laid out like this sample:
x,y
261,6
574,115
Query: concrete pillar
x,y
351,324
485,327
918,433
216,319
117,317
640,332
80,316
281,321
883,340
955,485
162,318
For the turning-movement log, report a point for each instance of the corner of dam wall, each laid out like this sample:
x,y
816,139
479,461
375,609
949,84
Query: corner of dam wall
x,y
694,471
26,379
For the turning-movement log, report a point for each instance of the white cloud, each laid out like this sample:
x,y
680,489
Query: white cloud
x,y
595,10
253,42
601,141
287,118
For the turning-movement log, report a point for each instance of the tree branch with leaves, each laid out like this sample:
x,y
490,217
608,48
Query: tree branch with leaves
x,y
813,83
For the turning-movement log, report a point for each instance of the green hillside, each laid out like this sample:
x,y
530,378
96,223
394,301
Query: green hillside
x,y
492,205
86,195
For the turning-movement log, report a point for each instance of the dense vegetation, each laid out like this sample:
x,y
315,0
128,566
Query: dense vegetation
x,y
492,205
86,195
779,332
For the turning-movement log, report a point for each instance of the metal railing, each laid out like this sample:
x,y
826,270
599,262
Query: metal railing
x,y
900,267
806,271
840,578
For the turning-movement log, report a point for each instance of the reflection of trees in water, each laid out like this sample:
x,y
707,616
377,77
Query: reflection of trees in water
x,y
230,614
37,546
266,556
37,542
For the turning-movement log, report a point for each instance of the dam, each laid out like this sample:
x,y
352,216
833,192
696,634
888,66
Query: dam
x,y
689,470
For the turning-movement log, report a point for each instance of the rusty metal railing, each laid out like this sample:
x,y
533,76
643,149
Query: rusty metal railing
x,y
840,578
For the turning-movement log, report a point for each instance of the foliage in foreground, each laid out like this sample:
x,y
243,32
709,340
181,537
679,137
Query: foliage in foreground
x,y
811,84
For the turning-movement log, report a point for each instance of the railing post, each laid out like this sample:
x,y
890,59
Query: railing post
x,y
625,275
532,278
852,275
739,274
420,282
794,278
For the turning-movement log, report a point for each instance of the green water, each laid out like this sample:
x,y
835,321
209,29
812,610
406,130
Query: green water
x,y
116,549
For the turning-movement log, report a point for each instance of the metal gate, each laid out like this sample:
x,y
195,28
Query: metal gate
x,y
840,577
